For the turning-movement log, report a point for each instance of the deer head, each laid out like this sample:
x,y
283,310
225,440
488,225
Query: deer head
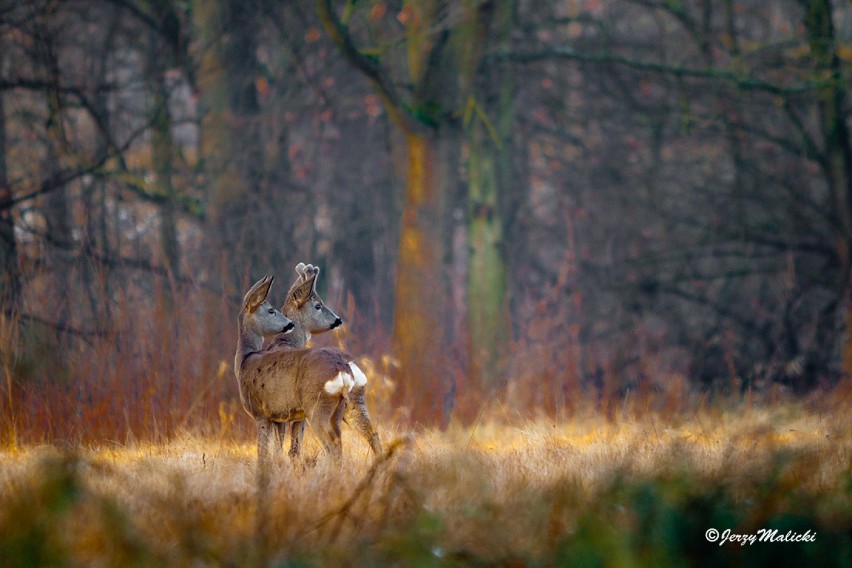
x,y
258,317
304,306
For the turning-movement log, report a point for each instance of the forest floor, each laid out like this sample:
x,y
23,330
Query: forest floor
x,y
585,491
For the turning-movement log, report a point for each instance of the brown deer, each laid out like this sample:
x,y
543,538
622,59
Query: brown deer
x,y
285,384
310,315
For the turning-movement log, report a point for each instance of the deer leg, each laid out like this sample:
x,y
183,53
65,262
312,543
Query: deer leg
x,y
325,422
297,432
265,429
279,434
357,417
334,427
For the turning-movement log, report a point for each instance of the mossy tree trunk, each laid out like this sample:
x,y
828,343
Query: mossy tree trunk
x,y
420,300
230,140
487,279
489,120
424,384
167,51
835,161
162,155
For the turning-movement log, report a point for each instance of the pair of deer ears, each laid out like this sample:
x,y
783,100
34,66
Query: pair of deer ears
x,y
257,294
299,292
305,284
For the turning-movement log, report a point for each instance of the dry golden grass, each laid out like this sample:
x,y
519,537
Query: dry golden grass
x,y
532,493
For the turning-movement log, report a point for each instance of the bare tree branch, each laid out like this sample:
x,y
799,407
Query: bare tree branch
x,y
66,176
339,33
736,79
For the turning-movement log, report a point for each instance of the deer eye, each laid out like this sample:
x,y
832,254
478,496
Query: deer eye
x,y
271,310
318,306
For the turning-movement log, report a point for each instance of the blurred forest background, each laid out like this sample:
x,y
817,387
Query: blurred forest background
x,y
558,203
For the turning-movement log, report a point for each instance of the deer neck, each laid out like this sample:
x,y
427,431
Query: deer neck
x,y
248,342
299,337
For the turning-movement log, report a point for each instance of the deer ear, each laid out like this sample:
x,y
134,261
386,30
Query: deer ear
x,y
299,293
304,287
296,296
257,294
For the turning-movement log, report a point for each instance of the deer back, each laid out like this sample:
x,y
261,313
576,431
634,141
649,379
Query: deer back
x,y
281,383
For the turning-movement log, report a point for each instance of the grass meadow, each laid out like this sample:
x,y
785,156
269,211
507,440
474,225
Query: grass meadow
x,y
112,456
583,490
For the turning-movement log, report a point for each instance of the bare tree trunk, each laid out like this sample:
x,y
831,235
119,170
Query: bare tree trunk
x,y
10,285
57,217
59,239
231,143
55,207
162,153
95,237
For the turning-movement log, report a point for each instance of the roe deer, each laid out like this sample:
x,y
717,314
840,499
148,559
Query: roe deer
x,y
257,320
310,315
285,384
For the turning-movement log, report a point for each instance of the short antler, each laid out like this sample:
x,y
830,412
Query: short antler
x,y
300,270
301,289
306,271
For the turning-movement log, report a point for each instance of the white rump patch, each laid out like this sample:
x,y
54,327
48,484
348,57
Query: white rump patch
x,y
343,381
360,377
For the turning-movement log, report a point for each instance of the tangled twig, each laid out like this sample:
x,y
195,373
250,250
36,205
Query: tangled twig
x,y
343,512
